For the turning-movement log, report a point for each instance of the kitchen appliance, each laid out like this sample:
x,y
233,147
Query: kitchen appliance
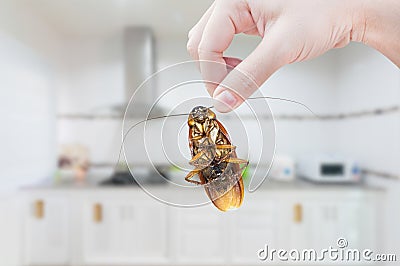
x,y
119,179
326,168
139,65
145,175
283,168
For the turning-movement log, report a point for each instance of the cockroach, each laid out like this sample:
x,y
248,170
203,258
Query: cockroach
x,y
214,157
215,161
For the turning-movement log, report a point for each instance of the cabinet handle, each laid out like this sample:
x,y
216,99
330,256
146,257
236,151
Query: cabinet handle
x,y
97,213
298,213
39,209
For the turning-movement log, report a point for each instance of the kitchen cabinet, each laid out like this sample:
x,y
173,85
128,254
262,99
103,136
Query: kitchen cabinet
x,y
256,225
123,230
199,234
336,220
296,220
10,229
116,226
313,221
46,229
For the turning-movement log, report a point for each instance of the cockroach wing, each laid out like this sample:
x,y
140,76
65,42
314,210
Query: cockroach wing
x,y
227,191
223,130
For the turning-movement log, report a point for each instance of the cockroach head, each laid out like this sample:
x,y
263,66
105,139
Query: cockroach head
x,y
201,113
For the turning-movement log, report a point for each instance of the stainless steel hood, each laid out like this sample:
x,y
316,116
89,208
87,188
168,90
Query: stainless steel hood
x,y
139,64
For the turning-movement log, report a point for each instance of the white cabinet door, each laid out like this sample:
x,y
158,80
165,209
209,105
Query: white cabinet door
x,y
370,222
350,218
253,227
46,221
358,222
319,224
326,215
199,235
296,222
124,231
10,230
338,223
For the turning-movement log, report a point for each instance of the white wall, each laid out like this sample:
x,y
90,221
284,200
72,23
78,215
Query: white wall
x,y
27,115
369,81
90,74
27,50
18,20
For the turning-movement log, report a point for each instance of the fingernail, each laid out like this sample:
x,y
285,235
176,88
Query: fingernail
x,y
225,101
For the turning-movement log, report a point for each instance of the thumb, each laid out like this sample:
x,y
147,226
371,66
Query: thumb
x,y
251,73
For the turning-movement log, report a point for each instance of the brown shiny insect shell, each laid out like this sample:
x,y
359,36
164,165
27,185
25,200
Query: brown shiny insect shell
x,y
215,160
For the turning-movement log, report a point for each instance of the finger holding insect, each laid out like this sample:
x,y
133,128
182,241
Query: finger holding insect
x,y
233,17
194,35
248,75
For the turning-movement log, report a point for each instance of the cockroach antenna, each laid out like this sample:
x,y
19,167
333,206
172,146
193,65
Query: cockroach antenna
x,y
280,99
136,124
285,100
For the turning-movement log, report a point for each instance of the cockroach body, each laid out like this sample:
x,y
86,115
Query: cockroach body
x,y
215,160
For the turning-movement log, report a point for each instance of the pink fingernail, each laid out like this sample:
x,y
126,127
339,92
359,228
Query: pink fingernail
x,y
225,101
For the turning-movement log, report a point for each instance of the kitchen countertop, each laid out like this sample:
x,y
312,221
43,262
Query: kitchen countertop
x,y
297,184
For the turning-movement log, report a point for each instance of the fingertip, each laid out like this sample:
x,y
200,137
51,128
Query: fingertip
x,y
213,72
225,101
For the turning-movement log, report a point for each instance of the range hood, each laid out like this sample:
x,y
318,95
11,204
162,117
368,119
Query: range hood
x,y
139,64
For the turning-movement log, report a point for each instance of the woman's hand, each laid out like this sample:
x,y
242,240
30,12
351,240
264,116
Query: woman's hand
x,y
291,31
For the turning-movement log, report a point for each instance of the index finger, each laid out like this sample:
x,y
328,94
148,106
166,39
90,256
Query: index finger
x,y
217,36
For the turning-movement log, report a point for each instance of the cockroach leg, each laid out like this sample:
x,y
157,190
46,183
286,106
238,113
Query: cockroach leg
x,y
237,160
230,149
191,174
225,146
197,137
196,157
201,160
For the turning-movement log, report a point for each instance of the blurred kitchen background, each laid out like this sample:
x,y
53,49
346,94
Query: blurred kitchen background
x,y
66,68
